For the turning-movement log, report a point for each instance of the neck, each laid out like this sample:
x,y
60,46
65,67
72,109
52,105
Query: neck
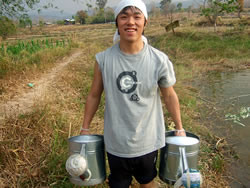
x,y
131,47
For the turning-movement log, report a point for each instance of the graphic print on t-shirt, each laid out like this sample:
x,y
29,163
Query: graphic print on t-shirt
x,y
127,83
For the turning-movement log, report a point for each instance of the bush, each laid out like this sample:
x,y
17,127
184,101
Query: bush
x,y
7,27
25,21
103,17
60,22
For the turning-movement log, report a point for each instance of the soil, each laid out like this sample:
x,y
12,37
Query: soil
x,y
25,98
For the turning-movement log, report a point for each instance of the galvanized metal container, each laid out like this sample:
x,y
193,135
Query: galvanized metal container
x,y
91,147
175,154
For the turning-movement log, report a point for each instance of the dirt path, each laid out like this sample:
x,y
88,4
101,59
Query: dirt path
x,y
24,101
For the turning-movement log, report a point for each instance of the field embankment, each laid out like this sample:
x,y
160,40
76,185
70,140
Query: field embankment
x,y
33,144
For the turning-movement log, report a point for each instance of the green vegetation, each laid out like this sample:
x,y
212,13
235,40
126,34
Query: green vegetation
x,y
31,47
25,21
35,149
81,17
216,8
7,27
236,118
195,54
102,17
15,8
206,46
19,56
50,123
101,3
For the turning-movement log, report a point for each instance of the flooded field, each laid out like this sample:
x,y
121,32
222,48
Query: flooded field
x,y
227,96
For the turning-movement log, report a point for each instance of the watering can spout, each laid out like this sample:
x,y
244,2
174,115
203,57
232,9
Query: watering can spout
x,y
183,160
179,155
88,148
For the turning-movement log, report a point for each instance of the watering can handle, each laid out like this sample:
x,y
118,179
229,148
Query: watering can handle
x,y
89,175
184,166
183,159
86,176
179,182
83,151
87,172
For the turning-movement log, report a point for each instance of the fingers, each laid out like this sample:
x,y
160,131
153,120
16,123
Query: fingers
x,y
181,132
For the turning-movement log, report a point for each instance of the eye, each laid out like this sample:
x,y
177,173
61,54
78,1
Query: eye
x,y
138,16
123,16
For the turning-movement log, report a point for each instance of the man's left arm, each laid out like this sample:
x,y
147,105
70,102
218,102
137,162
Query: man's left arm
x,y
173,106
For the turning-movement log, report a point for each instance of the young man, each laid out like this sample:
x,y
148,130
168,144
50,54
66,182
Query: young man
x,y
132,74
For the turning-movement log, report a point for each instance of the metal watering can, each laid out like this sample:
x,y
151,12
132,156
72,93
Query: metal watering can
x,y
178,160
86,163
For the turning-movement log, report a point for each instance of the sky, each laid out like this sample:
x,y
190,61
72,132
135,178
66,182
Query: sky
x,y
75,5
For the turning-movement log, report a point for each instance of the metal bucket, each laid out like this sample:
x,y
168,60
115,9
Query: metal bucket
x,y
91,147
174,156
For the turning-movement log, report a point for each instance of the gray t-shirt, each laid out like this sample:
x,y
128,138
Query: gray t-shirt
x,y
133,118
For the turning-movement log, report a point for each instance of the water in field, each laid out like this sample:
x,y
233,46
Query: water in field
x,y
227,110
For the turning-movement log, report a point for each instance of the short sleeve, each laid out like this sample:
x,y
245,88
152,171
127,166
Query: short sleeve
x,y
100,60
166,74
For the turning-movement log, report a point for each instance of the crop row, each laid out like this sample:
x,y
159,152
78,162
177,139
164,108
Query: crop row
x,y
31,46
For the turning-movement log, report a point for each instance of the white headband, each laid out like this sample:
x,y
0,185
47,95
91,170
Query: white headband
x,y
135,3
125,3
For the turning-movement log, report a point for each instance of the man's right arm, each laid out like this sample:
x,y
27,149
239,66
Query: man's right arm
x,y
93,99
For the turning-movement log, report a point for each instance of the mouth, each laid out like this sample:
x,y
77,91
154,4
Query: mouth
x,y
130,30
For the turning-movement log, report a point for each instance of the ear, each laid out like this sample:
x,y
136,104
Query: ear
x,y
145,23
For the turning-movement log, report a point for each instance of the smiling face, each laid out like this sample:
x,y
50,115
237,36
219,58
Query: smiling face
x,y
130,23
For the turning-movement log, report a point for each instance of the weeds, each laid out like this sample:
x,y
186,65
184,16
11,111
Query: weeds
x,y
193,55
205,46
31,46
20,56
34,150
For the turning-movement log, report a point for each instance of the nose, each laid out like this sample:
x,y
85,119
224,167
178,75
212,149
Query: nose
x,y
131,20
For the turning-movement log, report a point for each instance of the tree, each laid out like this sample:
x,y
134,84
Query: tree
x,y
217,8
25,21
14,8
89,6
155,11
179,6
109,14
241,7
81,15
99,17
7,27
172,8
163,3
101,3
103,16
190,9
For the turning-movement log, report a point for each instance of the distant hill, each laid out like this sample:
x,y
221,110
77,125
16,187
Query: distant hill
x,y
185,3
50,15
55,14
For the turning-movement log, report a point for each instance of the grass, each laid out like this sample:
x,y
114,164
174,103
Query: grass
x,y
22,57
22,68
195,54
34,150
205,46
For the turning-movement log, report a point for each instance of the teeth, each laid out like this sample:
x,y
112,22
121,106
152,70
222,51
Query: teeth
x,y
130,30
